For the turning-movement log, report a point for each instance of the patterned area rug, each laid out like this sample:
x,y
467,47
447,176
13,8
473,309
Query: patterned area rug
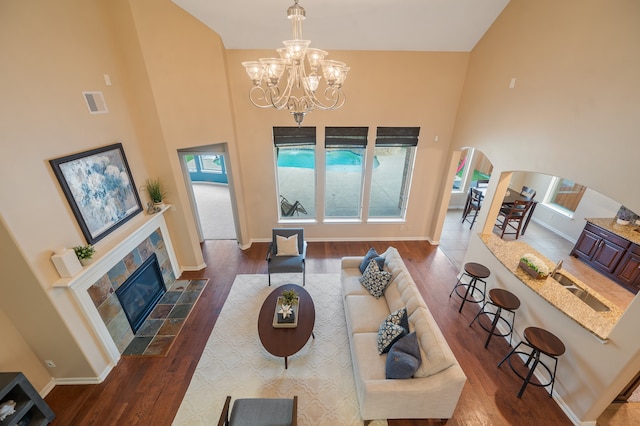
x,y
235,363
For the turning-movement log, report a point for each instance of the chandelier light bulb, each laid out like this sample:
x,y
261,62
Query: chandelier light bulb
x,y
297,92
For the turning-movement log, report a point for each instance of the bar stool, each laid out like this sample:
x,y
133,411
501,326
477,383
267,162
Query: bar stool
x,y
502,300
541,342
476,272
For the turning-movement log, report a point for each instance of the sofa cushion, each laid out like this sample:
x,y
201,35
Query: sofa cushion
x,y
403,359
434,350
375,280
365,313
372,254
350,281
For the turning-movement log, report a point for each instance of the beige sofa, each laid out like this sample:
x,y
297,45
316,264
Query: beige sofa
x,y
435,388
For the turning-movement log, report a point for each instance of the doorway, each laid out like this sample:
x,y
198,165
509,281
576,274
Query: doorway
x,y
209,186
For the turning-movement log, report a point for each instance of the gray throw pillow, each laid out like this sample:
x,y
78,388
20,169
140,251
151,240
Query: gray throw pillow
x,y
403,359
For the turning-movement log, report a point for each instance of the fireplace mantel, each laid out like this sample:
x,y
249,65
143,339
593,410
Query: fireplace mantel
x,y
108,254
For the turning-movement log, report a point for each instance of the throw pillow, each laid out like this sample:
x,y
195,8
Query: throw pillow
x,y
388,334
287,246
375,280
400,318
403,359
371,254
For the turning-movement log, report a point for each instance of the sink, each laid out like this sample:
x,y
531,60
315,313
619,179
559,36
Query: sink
x,y
563,279
587,298
581,294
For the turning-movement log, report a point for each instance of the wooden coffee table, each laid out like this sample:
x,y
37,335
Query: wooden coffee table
x,y
285,342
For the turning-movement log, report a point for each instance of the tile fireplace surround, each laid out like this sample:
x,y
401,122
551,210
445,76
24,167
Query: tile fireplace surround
x,y
94,287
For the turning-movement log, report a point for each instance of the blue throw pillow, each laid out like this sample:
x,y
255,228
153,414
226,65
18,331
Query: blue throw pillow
x,y
371,255
403,359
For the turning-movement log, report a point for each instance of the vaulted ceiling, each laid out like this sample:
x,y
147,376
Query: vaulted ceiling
x,y
409,25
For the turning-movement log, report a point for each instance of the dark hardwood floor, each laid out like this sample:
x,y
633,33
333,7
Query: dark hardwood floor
x,y
148,391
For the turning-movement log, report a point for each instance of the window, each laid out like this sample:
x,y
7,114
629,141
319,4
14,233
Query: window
x,y
566,194
392,170
296,170
211,163
461,171
344,171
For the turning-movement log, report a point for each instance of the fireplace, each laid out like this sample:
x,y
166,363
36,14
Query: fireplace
x,y
139,294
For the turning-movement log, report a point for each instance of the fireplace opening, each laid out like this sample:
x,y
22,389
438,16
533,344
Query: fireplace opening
x,y
141,291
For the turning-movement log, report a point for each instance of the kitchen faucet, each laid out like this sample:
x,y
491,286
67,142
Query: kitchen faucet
x,y
557,268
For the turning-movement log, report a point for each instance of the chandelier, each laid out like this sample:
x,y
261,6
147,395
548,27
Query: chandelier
x,y
298,93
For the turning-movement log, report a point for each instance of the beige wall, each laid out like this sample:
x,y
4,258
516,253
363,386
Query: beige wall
x,y
383,89
573,113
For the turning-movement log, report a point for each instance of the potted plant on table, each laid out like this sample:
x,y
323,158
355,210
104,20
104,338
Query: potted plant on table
x,y
286,303
85,254
156,191
534,266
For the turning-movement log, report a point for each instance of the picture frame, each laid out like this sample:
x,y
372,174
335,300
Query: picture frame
x,y
99,188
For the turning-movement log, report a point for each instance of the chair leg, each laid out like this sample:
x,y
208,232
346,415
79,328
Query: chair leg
x,y
269,279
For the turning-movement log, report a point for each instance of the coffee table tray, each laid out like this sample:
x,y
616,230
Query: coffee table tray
x,y
293,324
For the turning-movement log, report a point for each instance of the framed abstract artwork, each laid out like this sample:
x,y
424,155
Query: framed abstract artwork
x,y
99,188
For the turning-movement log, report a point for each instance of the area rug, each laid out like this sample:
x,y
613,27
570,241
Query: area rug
x,y
235,363
157,333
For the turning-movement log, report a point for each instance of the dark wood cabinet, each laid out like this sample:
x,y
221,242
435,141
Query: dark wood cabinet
x,y
628,271
30,408
610,254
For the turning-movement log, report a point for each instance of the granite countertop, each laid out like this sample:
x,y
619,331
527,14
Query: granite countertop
x,y
598,323
629,232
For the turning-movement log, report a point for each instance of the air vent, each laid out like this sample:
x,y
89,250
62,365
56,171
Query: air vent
x,y
95,102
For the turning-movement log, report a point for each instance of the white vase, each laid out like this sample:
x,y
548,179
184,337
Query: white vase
x,y
160,205
86,262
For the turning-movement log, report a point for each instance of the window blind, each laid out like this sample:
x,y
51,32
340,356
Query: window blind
x,y
397,136
285,136
345,136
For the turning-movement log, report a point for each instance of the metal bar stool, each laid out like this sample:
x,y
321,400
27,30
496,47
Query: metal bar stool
x,y
541,342
476,272
502,300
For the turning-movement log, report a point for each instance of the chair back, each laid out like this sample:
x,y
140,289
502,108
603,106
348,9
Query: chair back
x,y
476,197
528,192
519,209
482,183
287,232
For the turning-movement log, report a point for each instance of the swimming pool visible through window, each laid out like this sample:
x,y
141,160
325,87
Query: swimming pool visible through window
x,y
296,171
344,172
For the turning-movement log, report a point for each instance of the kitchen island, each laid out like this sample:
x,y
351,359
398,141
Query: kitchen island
x,y
557,295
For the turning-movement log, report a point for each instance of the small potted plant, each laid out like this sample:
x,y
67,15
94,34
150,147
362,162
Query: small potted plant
x,y
534,266
289,297
85,254
286,307
156,191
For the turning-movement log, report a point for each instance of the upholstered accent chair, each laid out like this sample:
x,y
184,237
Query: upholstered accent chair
x,y
287,252
260,412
